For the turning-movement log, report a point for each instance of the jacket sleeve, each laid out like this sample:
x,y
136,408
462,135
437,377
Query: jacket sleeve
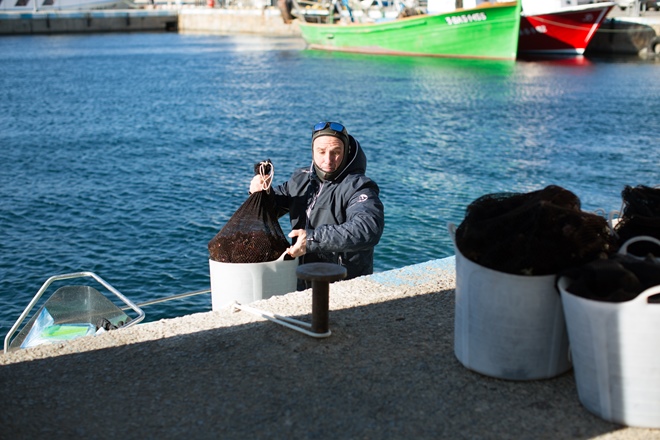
x,y
283,192
365,221
282,199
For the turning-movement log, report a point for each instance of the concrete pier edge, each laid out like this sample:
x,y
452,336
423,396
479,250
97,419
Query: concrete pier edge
x,y
387,371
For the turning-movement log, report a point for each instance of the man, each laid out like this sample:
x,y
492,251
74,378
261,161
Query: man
x,y
336,215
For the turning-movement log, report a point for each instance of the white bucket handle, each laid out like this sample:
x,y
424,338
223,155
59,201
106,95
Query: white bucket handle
x,y
643,297
452,231
612,220
624,248
640,300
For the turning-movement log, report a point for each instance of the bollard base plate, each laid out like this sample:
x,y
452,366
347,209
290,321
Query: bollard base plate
x,y
292,323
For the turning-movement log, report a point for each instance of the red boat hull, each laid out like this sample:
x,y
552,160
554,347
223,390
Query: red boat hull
x,y
562,32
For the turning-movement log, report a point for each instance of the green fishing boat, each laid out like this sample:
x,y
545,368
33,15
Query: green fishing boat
x,y
489,30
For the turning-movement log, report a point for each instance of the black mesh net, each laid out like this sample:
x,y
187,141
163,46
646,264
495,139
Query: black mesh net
x,y
536,233
253,234
617,279
640,216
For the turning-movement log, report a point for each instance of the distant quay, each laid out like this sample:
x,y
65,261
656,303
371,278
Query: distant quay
x,y
261,21
71,22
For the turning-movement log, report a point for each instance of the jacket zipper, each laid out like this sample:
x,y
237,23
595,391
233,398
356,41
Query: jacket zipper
x,y
308,212
311,205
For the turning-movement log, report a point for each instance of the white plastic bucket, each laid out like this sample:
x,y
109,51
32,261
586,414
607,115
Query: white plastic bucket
x,y
614,347
249,282
508,326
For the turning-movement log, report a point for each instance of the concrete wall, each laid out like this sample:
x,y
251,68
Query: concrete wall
x,y
85,22
266,21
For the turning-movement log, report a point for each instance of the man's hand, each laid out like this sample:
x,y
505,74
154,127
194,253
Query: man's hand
x,y
258,183
300,248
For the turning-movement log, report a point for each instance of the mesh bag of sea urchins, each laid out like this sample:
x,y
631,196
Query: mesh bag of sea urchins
x,y
253,233
536,233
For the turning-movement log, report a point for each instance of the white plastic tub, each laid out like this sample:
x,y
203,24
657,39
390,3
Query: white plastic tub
x,y
616,355
248,282
508,326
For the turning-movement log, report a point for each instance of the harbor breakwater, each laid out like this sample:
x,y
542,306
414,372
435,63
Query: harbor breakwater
x,y
264,21
71,22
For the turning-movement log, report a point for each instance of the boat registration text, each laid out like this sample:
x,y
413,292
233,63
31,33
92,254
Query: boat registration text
x,y
466,18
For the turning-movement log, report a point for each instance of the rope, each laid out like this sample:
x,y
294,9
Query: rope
x,y
266,179
638,28
169,298
554,23
635,27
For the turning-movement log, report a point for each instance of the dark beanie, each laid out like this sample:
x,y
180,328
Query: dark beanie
x,y
329,131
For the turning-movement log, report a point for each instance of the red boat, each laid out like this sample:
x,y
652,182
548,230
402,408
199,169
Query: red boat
x,y
561,31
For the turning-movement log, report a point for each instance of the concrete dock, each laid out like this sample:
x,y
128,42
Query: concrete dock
x,y
264,21
387,371
72,22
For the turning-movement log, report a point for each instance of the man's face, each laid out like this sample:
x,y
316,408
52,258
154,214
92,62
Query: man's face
x,y
328,153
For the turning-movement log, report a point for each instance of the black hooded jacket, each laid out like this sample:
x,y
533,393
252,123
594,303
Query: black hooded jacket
x,y
343,217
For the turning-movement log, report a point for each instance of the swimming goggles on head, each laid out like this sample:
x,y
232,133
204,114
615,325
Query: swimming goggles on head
x,y
336,126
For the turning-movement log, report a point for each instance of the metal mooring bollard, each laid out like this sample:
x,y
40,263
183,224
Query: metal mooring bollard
x,y
321,275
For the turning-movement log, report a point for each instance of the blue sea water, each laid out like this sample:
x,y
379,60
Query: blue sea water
x,y
124,154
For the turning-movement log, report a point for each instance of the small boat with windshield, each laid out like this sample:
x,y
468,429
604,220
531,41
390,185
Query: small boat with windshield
x,y
73,311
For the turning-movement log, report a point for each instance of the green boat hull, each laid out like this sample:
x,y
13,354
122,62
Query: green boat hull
x,y
489,31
